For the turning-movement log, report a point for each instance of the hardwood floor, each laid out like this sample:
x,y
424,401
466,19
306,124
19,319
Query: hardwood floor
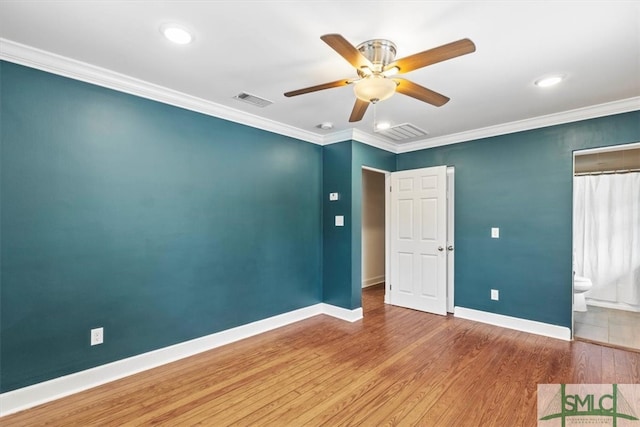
x,y
394,367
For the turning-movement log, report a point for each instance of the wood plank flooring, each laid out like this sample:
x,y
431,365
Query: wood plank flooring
x,y
394,367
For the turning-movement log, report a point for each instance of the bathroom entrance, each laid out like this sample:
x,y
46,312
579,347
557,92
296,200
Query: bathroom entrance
x,y
606,245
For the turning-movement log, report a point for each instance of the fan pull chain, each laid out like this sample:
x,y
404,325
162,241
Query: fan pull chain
x,y
375,116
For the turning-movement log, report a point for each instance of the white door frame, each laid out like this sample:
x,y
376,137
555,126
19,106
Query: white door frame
x,y
384,248
617,147
450,235
387,237
387,209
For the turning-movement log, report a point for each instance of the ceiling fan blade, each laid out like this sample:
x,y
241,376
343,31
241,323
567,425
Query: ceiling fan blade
x,y
323,86
407,87
346,50
432,56
358,110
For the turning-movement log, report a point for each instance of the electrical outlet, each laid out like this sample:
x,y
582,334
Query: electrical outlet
x,y
495,232
495,294
97,336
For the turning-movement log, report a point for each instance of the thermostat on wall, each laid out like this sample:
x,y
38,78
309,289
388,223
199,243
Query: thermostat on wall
x,y
333,196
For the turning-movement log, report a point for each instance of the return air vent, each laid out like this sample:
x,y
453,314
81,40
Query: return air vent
x,y
403,133
252,99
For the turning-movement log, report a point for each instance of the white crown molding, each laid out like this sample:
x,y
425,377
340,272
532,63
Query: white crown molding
x,y
57,64
46,391
67,67
341,136
517,323
591,112
360,136
374,141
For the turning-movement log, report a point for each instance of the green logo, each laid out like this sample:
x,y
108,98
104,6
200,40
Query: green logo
x,y
586,404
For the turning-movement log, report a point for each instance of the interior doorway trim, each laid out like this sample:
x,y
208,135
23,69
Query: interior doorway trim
x,y
618,147
450,236
576,153
387,207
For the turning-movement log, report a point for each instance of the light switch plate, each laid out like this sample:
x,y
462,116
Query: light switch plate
x,y
495,294
495,233
339,220
333,196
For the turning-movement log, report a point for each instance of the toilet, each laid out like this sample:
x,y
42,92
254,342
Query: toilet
x,y
580,286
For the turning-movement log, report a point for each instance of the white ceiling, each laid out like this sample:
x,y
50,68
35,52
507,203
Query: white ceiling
x,y
267,48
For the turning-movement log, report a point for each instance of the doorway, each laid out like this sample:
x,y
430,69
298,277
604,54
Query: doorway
x,y
373,235
376,227
606,254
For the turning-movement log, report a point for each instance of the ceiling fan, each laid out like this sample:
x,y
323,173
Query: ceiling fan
x,y
375,63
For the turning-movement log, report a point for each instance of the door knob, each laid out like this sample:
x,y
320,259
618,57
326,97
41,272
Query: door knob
x,y
449,248
440,248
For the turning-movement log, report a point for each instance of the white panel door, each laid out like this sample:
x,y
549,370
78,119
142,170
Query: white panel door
x,y
418,239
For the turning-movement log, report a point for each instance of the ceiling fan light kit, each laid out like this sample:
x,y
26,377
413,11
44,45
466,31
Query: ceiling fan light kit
x,y
376,66
374,88
379,52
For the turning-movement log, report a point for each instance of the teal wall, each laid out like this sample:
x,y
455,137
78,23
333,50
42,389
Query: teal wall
x,y
522,183
163,225
342,246
336,241
156,223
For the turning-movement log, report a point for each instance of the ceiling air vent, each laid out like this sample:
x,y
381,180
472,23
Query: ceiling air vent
x,y
252,99
403,133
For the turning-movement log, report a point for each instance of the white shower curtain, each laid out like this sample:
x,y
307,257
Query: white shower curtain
x,y
606,235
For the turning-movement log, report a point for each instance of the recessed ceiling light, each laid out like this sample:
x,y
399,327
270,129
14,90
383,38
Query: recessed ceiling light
x,y
176,34
325,126
549,81
383,125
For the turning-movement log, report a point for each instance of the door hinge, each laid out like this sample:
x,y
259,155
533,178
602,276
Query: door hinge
x,y
390,286
390,189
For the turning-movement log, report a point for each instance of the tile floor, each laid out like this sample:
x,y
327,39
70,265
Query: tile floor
x,y
616,327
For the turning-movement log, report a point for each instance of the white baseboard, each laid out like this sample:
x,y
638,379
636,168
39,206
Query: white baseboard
x,y
342,313
373,281
524,325
27,397
613,305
